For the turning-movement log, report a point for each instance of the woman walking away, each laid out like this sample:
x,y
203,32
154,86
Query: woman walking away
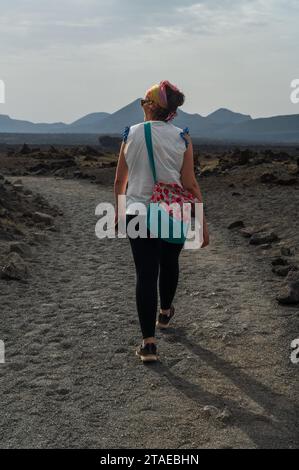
x,y
156,259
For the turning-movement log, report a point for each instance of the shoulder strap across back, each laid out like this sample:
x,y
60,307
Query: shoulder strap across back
x,y
149,146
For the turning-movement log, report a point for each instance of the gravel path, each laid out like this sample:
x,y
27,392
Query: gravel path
x,y
71,378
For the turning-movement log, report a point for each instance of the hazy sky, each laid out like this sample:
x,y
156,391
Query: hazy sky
x,y
61,59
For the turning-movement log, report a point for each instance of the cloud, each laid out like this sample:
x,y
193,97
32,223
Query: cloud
x,y
34,24
215,17
81,48
39,25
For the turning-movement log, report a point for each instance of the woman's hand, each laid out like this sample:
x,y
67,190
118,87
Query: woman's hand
x,y
116,221
120,222
206,238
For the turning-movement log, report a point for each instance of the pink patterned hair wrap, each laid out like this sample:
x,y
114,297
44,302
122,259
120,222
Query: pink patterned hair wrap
x,y
157,93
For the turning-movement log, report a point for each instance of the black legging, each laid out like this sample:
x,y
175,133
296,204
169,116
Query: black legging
x,y
149,255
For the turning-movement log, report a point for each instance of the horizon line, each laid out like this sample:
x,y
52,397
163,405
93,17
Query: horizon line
x,y
136,99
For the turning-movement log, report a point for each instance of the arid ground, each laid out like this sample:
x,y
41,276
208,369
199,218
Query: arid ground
x,y
225,378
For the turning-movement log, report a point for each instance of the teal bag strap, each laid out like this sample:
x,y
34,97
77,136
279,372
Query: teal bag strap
x,y
149,146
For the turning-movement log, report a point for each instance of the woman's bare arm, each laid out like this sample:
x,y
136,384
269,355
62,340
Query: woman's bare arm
x,y
188,178
190,183
121,177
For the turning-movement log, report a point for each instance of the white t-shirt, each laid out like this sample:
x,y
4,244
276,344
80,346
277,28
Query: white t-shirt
x,y
169,147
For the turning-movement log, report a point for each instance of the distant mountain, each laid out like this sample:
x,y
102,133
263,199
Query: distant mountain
x,y
271,129
127,116
222,125
89,123
225,117
16,125
132,114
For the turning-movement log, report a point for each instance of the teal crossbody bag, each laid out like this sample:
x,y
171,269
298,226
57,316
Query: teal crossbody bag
x,y
171,227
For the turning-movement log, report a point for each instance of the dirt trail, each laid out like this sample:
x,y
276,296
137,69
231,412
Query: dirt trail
x,y
71,378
